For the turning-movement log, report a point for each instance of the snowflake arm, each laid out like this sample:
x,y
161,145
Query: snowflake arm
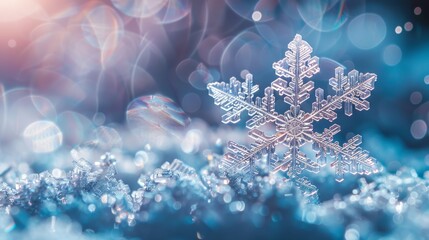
x,y
237,97
295,161
297,65
348,158
239,156
350,90
306,186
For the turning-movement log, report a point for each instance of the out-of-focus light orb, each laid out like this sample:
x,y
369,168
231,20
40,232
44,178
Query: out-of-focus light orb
x,y
191,102
418,129
60,9
92,207
139,8
242,8
200,77
351,234
11,43
58,173
14,10
268,10
392,55
99,118
426,79
141,158
398,30
329,65
417,11
155,112
408,26
43,136
185,68
256,16
237,206
174,10
192,141
323,16
76,127
102,28
249,50
366,31
244,73
107,138
416,98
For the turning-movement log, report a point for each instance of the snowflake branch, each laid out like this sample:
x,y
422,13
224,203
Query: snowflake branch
x,y
218,93
334,104
341,150
349,158
248,154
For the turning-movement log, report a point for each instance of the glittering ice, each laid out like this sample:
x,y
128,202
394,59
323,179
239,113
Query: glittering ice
x,y
388,202
208,195
94,183
294,128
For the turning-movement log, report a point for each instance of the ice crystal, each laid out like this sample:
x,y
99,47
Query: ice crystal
x,y
294,128
173,182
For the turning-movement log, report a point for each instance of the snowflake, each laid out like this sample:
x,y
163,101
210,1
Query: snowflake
x,y
294,128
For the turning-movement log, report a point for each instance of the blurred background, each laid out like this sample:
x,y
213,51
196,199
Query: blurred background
x,y
91,69
81,77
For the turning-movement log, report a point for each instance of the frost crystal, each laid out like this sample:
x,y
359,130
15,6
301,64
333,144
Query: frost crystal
x,y
294,128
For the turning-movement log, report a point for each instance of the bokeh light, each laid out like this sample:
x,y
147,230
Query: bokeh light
x,y
366,31
416,98
155,111
191,102
408,26
256,16
243,8
174,10
43,136
200,77
418,129
141,159
417,10
323,16
11,43
13,10
398,30
139,8
76,127
107,138
392,55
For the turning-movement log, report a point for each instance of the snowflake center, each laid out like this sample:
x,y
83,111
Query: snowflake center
x,y
295,127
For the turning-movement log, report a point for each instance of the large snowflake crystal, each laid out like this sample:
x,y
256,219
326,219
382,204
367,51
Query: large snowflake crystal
x,y
294,128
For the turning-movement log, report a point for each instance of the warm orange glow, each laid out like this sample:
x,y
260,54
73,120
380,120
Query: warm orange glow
x,y
14,10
